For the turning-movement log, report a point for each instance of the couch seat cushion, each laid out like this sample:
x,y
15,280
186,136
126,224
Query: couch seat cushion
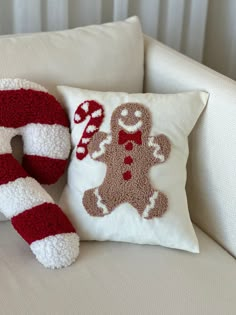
x,y
118,278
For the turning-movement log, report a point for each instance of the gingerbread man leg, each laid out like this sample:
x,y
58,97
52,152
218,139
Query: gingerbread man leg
x,y
98,202
152,205
157,206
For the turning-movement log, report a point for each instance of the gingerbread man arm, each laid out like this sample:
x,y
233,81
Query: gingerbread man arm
x,y
98,145
161,148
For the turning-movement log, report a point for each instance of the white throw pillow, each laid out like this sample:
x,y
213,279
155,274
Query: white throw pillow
x,y
127,175
105,57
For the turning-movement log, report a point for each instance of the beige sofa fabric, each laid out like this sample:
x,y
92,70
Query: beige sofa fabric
x,y
100,57
212,164
118,278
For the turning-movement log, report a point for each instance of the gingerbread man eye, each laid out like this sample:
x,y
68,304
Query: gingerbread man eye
x,y
124,112
138,113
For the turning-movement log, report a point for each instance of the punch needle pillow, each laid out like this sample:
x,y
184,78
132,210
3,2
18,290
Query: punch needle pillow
x,y
127,175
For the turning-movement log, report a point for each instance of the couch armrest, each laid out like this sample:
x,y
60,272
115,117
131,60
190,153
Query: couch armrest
x,y
211,184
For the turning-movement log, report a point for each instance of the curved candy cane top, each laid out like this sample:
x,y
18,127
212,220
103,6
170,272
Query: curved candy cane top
x,y
96,113
23,102
27,109
17,84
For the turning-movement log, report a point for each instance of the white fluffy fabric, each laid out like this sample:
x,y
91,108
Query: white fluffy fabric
x,y
5,140
20,195
80,150
17,84
85,107
57,251
91,128
52,141
97,113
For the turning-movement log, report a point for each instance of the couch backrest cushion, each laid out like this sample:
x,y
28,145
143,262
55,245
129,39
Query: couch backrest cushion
x,y
106,57
211,185
102,57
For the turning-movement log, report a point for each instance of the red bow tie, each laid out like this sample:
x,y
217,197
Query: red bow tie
x,y
124,137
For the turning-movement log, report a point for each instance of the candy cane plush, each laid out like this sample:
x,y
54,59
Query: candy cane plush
x,y
27,109
95,111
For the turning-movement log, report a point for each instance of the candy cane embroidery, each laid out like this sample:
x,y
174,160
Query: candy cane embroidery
x,y
96,113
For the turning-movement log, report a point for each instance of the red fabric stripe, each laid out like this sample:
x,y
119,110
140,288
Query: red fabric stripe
x,y
44,169
41,221
21,107
10,169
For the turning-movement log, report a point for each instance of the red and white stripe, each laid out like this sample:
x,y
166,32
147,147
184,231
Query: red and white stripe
x,y
95,111
27,109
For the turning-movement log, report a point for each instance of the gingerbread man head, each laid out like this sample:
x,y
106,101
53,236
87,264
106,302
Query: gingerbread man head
x,y
131,118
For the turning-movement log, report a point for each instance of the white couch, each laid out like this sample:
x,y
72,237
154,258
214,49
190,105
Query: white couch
x,y
118,278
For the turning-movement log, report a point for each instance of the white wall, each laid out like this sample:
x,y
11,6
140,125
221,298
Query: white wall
x,y
202,29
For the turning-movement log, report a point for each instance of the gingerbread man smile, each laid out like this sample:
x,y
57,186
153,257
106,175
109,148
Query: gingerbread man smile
x,y
130,128
129,152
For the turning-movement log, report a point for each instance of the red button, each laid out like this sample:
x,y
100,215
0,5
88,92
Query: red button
x,y
128,160
129,146
127,175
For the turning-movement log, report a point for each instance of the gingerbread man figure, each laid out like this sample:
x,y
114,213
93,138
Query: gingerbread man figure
x,y
129,152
